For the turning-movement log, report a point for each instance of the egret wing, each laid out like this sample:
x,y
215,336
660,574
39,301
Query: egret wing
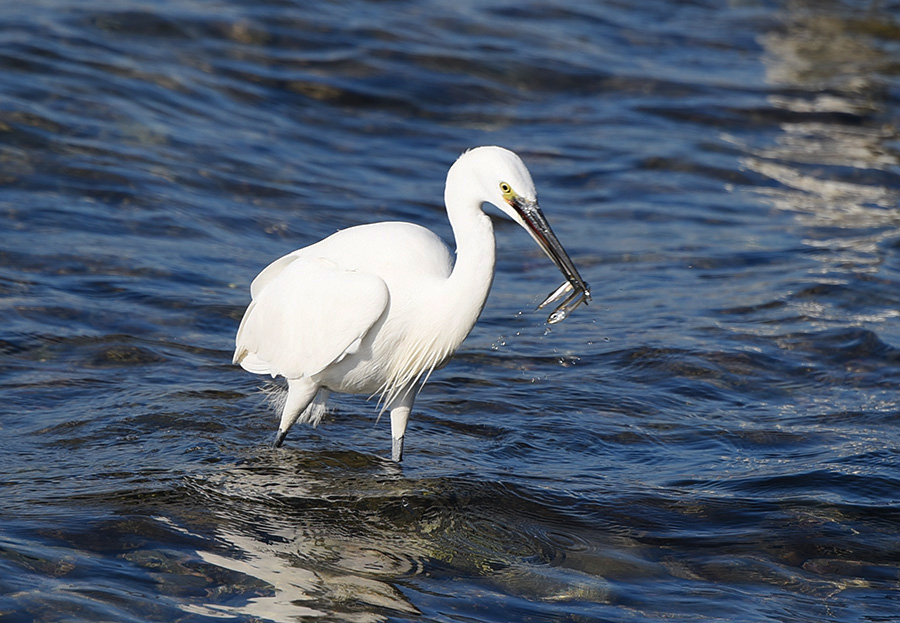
x,y
270,272
307,316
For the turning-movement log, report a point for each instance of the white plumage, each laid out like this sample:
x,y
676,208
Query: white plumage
x,y
374,309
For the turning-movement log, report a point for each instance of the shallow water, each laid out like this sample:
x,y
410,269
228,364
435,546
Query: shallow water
x,y
716,437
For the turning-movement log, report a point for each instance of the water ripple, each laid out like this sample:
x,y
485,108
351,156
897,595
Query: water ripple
x,y
714,437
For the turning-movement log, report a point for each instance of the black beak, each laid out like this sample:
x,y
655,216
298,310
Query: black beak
x,y
540,230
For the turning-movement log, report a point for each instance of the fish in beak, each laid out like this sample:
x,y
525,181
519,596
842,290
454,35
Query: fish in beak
x,y
574,289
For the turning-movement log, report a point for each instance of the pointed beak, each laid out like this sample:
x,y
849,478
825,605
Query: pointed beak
x,y
575,290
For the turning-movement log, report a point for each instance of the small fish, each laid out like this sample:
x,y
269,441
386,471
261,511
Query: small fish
x,y
580,293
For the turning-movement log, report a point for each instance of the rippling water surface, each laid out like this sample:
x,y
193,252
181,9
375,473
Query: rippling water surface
x,y
717,437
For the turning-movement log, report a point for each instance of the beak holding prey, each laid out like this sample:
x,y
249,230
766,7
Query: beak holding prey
x,y
574,289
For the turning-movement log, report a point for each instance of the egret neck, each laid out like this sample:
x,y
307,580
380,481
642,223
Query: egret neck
x,y
473,271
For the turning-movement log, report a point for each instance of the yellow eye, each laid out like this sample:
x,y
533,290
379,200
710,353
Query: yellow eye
x,y
505,188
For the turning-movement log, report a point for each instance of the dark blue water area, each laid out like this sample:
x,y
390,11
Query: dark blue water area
x,y
715,438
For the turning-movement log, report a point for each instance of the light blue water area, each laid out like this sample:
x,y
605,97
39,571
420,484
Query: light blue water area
x,y
714,438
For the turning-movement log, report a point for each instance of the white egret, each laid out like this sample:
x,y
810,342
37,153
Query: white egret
x,y
374,309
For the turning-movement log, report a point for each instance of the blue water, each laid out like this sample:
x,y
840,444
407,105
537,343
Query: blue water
x,y
715,438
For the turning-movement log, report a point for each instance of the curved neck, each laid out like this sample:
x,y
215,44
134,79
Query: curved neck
x,y
473,272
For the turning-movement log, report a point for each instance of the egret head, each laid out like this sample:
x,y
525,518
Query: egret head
x,y
494,175
498,176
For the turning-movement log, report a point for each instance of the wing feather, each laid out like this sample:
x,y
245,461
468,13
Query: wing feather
x,y
305,315
271,272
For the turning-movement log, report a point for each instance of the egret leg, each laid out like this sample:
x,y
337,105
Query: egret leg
x,y
397,449
301,393
399,418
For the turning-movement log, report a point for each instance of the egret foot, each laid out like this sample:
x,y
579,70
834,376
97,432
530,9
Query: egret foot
x,y
397,449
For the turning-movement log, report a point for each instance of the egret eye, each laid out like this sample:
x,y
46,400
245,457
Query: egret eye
x,y
505,188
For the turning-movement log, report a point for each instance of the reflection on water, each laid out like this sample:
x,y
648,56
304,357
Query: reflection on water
x,y
283,520
292,585
303,545
835,159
